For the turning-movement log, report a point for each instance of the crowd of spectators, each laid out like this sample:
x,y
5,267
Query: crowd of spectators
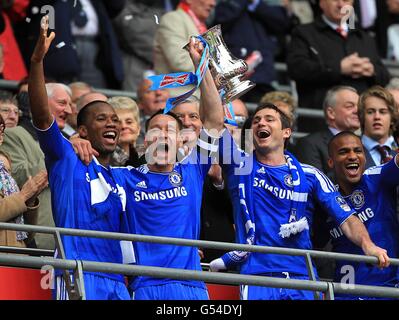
x,y
337,67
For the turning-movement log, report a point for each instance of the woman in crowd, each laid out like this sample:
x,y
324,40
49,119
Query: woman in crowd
x,y
17,206
128,113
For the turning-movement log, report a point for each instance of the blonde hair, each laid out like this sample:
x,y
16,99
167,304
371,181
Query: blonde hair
x,y
383,94
125,103
274,96
51,86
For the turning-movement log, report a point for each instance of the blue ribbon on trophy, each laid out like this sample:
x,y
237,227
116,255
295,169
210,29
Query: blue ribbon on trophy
x,y
229,115
181,79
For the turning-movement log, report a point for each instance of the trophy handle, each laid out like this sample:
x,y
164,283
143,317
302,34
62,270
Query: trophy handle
x,y
227,70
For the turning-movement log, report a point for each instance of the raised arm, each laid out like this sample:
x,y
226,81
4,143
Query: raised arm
x,y
356,232
41,114
211,109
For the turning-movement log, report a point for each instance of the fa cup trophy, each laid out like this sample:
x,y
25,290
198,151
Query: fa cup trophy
x,y
226,69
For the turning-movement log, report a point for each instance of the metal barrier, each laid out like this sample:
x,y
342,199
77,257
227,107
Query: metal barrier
x,y
28,251
8,84
392,66
77,291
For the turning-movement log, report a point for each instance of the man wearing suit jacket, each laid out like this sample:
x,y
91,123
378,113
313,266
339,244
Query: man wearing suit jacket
x,y
250,26
174,30
378,117
340,109
327,53
136,26
78,27
375,17
378,15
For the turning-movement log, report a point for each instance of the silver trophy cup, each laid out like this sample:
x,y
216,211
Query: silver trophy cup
x,y
226,70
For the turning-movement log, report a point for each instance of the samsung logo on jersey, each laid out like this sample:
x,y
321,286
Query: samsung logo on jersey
x,y
281,193
161,195
363,216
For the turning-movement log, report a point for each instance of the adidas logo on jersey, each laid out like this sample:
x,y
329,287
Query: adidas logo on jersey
x,y
142,184
261,170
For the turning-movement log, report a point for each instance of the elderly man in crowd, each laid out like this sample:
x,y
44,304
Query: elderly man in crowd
x,y
326,53
174,30
340,112
28,159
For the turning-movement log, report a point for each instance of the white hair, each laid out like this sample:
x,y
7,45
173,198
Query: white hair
x,y
50,88
125,103
192,99
330,99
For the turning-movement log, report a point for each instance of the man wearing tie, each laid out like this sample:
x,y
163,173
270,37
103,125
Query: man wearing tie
x,y
377,116
330,52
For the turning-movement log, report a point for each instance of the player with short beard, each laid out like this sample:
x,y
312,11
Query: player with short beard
x,y
274,206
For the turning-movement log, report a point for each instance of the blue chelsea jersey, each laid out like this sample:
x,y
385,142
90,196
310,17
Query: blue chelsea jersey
x,y
374,199
271,203
79,201
273,196
168,205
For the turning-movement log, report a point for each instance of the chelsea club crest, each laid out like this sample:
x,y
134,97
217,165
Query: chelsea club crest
x,y
288,180
175,179
357,198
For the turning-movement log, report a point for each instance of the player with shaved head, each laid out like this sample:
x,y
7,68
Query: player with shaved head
x,y
372,193
83,196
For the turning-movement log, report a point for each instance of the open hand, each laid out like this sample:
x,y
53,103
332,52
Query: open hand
x,y
44,41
